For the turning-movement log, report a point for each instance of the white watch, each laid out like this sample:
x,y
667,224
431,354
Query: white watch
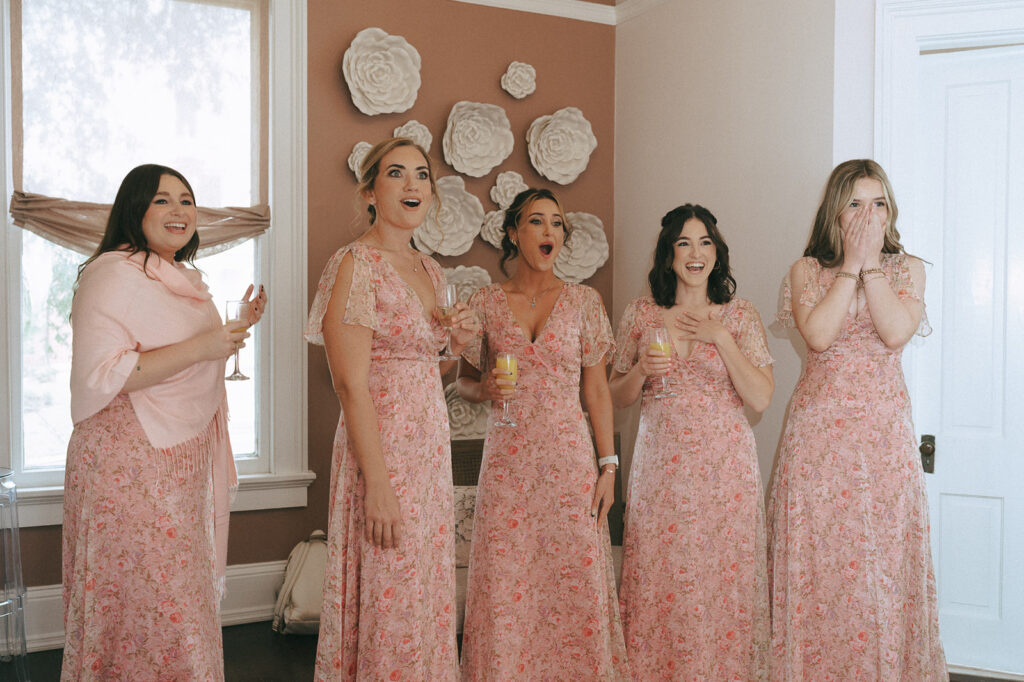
x,y
611,459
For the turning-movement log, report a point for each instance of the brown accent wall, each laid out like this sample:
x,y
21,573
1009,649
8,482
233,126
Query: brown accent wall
x,y
465,50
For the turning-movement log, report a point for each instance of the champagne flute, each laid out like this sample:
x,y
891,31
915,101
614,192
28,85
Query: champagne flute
x,y
445,311
507,362
237,311
659,340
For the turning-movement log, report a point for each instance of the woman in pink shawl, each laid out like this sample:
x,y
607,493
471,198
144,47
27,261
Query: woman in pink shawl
x,y
149,465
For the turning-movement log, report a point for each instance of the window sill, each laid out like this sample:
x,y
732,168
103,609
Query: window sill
x,y
44,506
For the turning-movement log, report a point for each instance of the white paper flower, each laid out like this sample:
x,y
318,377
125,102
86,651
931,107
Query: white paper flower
x,y
355,159
492,231
382,72
451,230
417,132
560,145
585,250
467,420
477,139
506,186
467,279
519,80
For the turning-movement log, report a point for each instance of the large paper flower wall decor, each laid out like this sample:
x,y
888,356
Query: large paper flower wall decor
x,y
355,159
466,419
519,80
585,250
477,139
560,145
450,231
417,132
382,72
467,279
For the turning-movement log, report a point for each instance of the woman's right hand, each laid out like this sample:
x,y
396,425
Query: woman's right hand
x,y
384,527
498,385
856,241
654,363
219,343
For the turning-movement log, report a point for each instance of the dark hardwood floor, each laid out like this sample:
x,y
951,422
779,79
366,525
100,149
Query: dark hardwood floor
x,y
255,653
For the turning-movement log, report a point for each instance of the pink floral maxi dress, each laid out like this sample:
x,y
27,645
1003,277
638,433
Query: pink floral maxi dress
x,y
694,594
853,592
541,601
390,614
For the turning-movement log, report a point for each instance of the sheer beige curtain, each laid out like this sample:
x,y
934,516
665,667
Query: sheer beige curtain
x,y
79,225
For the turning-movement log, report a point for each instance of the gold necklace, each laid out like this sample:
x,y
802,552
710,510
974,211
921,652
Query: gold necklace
x,y
533,301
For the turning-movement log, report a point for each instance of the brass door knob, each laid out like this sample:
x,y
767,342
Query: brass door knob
x,y
927,450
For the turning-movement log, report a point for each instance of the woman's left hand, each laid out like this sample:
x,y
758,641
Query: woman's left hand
x,y
465,327
257,306
704,329
604,494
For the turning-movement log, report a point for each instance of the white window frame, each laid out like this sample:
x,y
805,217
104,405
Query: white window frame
x,y
282,396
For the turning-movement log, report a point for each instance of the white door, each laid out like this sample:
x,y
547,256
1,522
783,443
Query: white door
x,y
967,208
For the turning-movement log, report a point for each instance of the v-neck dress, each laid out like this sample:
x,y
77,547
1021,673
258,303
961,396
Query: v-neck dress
x,y
694,594
390,614
541,600
850,570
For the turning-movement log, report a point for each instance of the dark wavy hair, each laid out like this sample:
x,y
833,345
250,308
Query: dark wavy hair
x,y
662,278
124,226
515,212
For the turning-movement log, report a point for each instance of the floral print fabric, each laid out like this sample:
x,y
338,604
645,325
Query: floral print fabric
x,y
694,593
390,614
541,601
853,592
140,587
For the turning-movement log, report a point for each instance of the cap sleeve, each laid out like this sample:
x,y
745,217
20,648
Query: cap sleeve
x,y
903,284
750,336
103,349
595,330
810,294
475,352
361,307
627,341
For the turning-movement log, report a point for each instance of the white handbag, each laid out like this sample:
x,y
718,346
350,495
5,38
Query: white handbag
x,y
297,611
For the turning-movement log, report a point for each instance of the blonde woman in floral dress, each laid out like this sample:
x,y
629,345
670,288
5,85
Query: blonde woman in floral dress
x,y
389,592
694,592
149,466
853,593
541,596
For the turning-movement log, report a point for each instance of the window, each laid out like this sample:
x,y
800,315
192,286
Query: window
x,y
99,86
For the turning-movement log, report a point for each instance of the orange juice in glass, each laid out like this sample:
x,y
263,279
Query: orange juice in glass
x,y
507,362
661,342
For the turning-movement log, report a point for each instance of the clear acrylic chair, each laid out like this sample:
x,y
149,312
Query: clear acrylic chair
x,y
13,648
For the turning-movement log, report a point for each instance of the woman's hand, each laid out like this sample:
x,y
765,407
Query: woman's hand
x,y
695,328
856,241
384,526
498,385
257,306
219,343
653,362
465,327
874,238
604,494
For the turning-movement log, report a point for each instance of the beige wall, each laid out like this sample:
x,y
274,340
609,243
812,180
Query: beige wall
x,y
731,108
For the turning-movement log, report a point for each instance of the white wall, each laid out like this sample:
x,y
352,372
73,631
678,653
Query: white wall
x,y
730,106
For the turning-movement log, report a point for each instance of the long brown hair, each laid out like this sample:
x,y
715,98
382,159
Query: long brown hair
x,y
826,241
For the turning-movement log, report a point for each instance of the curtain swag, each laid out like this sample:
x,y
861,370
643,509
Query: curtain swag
x,y
79,225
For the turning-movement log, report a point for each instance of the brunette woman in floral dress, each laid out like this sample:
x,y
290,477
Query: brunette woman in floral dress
x,y
541,596
149,464
694,592
853,593
389,593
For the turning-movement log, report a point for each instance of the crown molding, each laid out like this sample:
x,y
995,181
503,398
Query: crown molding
x,y
580,10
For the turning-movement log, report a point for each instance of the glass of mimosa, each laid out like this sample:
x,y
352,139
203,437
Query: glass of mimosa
x,y
237,311
659,340
446,300
507,362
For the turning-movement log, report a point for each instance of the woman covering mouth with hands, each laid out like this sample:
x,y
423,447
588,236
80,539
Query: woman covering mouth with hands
x,y
694,592
389,592
541,594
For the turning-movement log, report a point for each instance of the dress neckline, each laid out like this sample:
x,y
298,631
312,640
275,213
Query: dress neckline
x,y
544,324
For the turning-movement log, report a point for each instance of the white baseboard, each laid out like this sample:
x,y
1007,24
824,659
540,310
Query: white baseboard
x,y
250,598
983,672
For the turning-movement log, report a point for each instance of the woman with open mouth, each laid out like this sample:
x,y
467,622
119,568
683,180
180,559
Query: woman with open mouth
x,y
694,593
541,595
389,593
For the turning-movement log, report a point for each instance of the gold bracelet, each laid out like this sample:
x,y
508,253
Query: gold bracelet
x,y
865,280
872,271
848,274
